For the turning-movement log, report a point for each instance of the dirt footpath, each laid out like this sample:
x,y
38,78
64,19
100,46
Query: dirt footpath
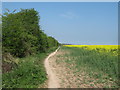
x,y
52,78
59,75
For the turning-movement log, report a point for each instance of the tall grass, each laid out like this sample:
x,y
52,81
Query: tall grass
x,y
96,64
29,73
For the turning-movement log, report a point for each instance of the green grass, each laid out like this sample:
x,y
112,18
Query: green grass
x,y
29,73
102,66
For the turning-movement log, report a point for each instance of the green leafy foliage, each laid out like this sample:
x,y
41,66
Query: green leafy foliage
x,y
22,34
28,74
23,38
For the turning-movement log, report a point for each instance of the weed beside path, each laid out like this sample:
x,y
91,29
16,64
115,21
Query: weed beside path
x,y
28,73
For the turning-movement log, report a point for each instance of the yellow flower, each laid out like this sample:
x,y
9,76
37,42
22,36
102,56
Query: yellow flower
x,y
100,48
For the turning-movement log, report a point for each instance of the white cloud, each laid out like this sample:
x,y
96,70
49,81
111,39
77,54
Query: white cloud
x,y
69,15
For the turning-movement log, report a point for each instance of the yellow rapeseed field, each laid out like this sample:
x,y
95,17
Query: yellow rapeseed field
x,y
107,47
100,48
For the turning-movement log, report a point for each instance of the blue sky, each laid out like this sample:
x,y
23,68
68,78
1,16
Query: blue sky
x,y
76,22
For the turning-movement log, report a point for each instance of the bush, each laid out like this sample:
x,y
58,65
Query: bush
x,y
22,35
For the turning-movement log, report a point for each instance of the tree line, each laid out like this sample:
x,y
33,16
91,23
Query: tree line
x,y
22,34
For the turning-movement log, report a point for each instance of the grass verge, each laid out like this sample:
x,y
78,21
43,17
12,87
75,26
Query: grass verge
x,y
29,72
100,69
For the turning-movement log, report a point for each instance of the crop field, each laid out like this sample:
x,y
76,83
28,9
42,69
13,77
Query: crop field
x,y
95,46
100,48
98,62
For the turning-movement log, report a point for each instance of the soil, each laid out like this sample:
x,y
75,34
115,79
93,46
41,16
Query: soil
x,y
62,72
